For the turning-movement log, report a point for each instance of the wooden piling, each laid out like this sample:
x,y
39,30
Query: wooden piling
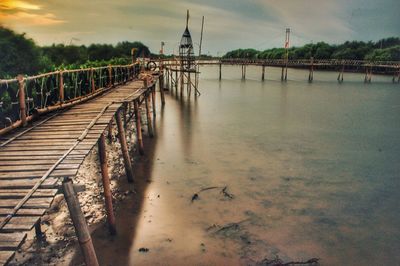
x,y
263,73
81,228
176,81
340,76
124,112
161,86
220,71
311,74
21,99
106,185
138,128
124,146
153,100
149,122
61,86
38,231
110,130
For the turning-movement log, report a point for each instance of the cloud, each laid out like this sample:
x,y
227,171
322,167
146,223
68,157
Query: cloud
x,y
229,24
29,18
15,4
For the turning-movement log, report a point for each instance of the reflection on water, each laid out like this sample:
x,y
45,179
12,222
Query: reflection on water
x,y
314,170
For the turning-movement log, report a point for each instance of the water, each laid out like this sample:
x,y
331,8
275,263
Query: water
x,y
314,170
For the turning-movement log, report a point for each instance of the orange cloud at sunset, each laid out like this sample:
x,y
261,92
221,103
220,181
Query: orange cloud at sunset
x,y
16,4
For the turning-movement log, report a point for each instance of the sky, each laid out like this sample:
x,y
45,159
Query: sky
x,y
229,24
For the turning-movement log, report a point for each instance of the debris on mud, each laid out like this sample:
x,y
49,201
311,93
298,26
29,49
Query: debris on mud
x,y
224,192
278,262
144,250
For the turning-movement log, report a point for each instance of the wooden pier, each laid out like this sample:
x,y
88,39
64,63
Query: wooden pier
x,y
35,159
341,66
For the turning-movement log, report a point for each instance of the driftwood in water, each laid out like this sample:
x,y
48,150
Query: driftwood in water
x,y
278,262
223,191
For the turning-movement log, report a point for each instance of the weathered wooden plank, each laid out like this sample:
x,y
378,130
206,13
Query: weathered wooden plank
x,y
20,193
23,212
73,132
39,157
6,256
45,148
28,183
32,203
50,137
11,154
11,241
45,143
23,223
37,174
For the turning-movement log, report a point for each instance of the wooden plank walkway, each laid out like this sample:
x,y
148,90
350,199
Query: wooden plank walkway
x,y
28,157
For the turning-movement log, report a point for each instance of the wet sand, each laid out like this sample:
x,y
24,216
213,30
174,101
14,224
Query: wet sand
x,y
312,170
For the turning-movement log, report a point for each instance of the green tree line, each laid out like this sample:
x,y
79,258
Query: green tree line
x,y
20,55
386,50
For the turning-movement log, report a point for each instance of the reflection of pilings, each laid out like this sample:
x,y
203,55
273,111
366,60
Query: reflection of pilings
x,y
368,74
340,76
311,74
398,76
263,73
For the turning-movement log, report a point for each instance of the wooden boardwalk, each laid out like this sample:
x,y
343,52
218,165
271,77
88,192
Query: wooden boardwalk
x,y
47,151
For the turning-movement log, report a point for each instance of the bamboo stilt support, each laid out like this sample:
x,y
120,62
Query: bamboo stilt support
x,y
153,100
81,228
161,85
149,122
21,99
263,73
124,112
124,147
38,231
110,130
106,185
138,128
311,74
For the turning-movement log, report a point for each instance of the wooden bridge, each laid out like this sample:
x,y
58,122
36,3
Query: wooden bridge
x,y
35,158
342,66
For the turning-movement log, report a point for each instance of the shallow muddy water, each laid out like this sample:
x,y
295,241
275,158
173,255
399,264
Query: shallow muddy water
x,y
313,170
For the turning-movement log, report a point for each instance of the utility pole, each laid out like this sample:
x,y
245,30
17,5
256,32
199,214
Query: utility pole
x,y
287,44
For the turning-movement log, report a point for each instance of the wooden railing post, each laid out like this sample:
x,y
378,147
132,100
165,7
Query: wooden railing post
x,y
110,81
81,228
92,79
61,86
21,99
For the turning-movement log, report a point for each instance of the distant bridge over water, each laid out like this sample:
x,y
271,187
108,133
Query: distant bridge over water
x,y
345,65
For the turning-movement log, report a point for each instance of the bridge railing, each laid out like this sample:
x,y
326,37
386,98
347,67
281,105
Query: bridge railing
x,y
24,97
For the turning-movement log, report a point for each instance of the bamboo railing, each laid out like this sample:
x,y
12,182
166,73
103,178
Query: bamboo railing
x,y
23,98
